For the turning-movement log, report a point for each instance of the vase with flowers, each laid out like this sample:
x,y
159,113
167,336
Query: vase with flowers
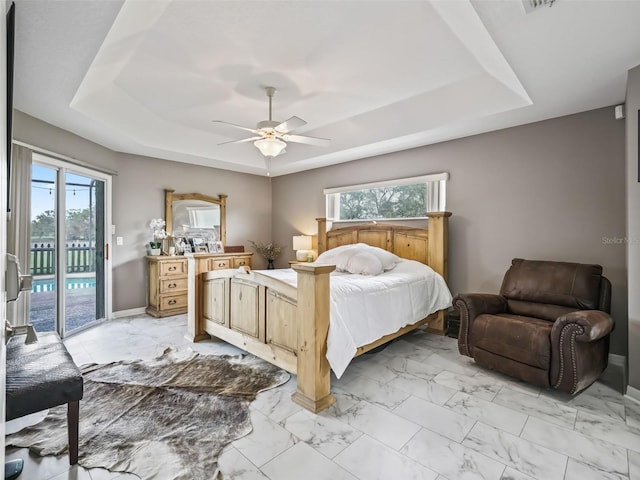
x,y
159,234
270,251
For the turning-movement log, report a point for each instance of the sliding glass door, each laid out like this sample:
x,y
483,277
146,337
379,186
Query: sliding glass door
x,y
42,307
68,257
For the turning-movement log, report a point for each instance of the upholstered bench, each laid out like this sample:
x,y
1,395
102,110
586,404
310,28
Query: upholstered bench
x,y
43,375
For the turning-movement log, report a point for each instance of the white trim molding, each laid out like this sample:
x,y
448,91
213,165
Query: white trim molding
x,y
129,313
434,177
633,394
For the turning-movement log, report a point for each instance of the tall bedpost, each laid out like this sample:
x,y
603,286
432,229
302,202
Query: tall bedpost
x,y
322,235
439,258
314,375
438,227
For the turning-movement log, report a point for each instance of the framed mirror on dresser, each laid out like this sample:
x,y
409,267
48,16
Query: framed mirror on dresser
x,y
194,215
197,224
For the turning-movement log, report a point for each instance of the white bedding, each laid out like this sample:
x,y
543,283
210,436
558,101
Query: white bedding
x,y
365,308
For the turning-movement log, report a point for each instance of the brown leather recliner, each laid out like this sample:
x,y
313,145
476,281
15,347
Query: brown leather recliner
x,y
549,326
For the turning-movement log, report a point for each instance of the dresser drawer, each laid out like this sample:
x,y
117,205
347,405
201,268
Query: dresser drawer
x,y
171,285
173,301
241,262
219,263
174,267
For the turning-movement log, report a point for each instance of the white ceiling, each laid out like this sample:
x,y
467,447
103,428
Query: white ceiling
x,y
148,77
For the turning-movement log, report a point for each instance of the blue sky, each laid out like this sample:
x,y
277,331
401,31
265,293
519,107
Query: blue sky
x,y
43,195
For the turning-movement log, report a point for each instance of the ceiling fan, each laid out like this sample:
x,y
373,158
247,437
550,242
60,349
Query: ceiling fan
x,y
271,136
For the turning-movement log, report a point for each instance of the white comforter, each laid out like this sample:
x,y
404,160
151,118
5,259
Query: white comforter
x,y
365,308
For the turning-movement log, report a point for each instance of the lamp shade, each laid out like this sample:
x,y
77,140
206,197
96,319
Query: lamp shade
x,y
270,147
302,242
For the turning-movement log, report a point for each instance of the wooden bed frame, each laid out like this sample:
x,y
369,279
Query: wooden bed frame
x,y
288,326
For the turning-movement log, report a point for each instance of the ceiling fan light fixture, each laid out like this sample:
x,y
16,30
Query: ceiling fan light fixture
x,y
270,147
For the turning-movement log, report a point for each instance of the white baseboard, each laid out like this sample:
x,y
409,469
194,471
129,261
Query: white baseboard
x,y
617,359
129,313
633,394
620,361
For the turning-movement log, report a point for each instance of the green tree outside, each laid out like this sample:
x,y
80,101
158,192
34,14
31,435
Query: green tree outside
x,y
79,226
404,201
43,227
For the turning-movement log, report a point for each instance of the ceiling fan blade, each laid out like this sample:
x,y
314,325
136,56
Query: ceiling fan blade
x,y
252,130
250,139
320,142
290,124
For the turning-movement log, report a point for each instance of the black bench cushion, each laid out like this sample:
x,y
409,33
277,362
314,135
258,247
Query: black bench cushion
x,y
40,375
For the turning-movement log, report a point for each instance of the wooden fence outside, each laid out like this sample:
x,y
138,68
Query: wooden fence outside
x,y
81,257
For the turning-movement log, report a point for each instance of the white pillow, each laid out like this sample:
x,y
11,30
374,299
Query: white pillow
x,y
340,257
389,260
336,256
364,263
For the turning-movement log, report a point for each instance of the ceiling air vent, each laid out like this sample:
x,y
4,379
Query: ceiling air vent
x,y
532,5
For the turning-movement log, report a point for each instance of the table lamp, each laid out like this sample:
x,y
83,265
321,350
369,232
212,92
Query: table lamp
x,y
302,245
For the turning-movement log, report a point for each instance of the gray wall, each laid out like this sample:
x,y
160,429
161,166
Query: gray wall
x,y
138,196
633,226
549,190
552,190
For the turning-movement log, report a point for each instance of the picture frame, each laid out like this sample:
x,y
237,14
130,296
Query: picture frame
x,y
219,248
181,244
196,241
200,249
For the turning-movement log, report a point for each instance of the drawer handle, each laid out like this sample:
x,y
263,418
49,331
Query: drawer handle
x,y
221,264
173,268
172,285
173,301
241,263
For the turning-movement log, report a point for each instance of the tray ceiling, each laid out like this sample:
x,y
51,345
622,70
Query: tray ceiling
x,y
374,77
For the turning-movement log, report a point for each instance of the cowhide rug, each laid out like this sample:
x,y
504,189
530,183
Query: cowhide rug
x,y
163,419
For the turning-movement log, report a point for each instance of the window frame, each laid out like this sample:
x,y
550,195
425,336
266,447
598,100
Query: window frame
x,y
332,207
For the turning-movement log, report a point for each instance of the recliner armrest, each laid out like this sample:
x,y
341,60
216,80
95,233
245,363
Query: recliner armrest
x,y
479,303
596,324
579,349
471,305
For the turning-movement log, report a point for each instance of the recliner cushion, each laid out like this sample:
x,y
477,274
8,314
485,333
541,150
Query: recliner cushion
x,y
573,285
545,311
523,339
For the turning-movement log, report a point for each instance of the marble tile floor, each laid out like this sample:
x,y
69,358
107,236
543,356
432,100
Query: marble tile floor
x,y
413,410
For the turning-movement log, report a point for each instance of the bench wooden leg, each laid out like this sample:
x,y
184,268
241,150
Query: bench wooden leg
x,y
73,420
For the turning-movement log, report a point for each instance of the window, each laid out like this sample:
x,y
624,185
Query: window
x,y
393,199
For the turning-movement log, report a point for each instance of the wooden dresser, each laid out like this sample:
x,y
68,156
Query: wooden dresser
x,y
167,278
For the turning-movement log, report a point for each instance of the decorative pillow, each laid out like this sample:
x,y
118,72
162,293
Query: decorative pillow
x,y
364,263
337,256
389,260
341,256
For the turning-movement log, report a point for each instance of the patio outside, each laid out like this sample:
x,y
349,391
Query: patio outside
x,y
80,289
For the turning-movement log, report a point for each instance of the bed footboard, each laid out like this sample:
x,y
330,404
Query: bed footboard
x,y
284,325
